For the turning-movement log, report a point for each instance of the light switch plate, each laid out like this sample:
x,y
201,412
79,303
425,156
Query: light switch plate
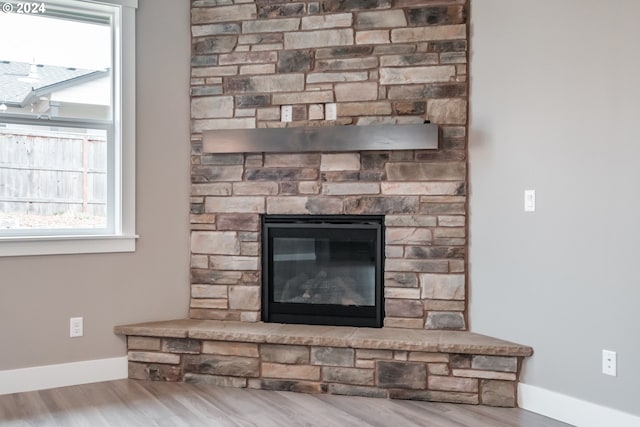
x,y
609,363
286,113
76,327
529,200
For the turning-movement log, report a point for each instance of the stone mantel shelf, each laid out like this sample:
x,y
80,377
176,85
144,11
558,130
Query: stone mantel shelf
x,y
322,139
462,342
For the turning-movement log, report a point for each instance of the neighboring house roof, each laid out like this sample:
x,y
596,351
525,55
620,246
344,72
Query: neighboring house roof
x,y
18,90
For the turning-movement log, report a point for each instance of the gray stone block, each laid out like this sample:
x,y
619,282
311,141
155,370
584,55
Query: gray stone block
x,y
381,205
345,51
204,61
163,373
495,363
498,393
404,308
348,5
291,61
354,376
405,171
288,385
352,390
437,15
332,356
252,101
401,280
405,375
214,44
445,321
279,10
282,174
178,345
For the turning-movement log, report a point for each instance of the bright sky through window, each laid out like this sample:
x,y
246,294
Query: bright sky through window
x,y
35,38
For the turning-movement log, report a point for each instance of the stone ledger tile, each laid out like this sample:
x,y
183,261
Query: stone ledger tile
x,y
158,372
225,348
326,21
290,354
178,345
215,380
209,291
418,34
152,357
143,343
287,385
495,363
441,383
353,376
332,356
474,373
299,372
223,14
397,322
318,38
438,369
222,365
381,19
215,242
352,390
435,396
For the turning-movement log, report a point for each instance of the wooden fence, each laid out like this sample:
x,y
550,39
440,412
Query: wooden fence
x,y
52,173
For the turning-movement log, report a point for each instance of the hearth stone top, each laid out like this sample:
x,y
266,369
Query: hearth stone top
x,y
332,336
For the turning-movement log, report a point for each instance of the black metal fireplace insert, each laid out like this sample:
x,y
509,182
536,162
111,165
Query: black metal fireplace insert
x,y
323,269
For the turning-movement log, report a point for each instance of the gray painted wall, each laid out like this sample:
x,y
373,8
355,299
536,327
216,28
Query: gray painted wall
x,y
39,294
555,107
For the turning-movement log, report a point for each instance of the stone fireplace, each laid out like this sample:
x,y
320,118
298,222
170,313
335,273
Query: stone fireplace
x,y
372,62
380,64
422,204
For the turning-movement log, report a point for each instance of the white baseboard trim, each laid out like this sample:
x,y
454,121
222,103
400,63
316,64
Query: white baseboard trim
x,y
62,375
570,410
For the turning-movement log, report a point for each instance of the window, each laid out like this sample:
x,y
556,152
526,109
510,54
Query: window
x,y
67,127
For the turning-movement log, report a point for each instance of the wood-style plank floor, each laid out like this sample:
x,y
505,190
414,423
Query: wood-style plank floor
x,y
139,403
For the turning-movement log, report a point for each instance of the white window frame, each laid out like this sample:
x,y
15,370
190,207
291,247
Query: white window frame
x,y
123,237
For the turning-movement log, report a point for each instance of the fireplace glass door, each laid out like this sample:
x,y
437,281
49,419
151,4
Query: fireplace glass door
x,y
323,270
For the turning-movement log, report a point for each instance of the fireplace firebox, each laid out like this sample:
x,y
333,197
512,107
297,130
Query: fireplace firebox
x,y
323,269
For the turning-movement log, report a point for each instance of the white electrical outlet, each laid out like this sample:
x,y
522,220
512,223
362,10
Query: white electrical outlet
x,y
76,328
529,200
286,113
330,111
609,363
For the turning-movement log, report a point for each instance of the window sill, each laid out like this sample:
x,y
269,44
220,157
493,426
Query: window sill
x,y
58,245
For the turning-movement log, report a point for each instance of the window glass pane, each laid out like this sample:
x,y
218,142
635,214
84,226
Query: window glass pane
x,y
56,120
52,177
55,68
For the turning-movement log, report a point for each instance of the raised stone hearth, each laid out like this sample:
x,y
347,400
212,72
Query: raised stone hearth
x,y
443,366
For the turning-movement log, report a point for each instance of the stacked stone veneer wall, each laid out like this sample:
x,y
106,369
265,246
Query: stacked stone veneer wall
x,y
371,372
381,62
